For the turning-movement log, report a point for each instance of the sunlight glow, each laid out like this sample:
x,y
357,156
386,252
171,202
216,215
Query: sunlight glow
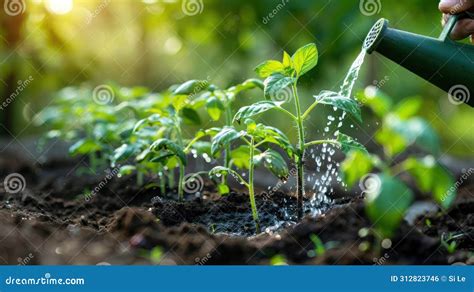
x,y
59,6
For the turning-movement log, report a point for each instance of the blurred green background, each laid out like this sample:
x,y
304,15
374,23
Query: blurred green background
x,y
157,43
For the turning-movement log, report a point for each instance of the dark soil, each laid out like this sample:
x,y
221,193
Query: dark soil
x,y
51,222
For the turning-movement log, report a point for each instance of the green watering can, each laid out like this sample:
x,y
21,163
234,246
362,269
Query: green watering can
x,y
442,61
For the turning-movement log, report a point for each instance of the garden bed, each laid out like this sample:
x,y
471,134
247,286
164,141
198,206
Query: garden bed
x,y
50,222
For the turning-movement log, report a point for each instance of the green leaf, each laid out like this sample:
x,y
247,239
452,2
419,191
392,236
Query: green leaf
x,y
170,146
376,100
356,164
202,147
191,87
179,101
124,152
413,131
348,105
214,108
348,143
223,189
246,85
432,178
140,157
269,67
127,169
240,157
223,138
84,146
162,157
276,87
408,107
305,59
190,116
273,161
387,202
274,136
254,109
287,62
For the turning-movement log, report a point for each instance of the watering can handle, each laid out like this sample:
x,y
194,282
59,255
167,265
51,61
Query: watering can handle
x,y
453,19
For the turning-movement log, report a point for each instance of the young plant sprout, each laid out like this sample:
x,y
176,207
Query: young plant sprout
x,y
255,137
387,196
218,103
283,75
92,127
170,147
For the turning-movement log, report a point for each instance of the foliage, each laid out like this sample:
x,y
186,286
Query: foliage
x,y
281,80
389,197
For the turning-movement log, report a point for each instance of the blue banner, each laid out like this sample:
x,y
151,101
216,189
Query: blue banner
x,y
237,278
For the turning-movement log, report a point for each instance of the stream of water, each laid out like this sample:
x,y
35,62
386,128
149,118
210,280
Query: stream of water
x,y
326,168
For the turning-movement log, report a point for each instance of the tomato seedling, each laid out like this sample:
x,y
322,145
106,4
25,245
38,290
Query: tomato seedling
x,y
219,103
281,75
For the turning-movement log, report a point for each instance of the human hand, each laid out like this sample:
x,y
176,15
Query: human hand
x,y
465,27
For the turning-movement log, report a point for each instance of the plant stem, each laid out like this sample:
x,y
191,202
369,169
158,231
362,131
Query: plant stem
x,y
181,165
181,181
228,122
253,205
93,161
308,111
300,155
162,183
139,178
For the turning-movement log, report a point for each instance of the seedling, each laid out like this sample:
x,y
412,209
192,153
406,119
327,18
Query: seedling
x,y
219,103
255,137
92,127
449,242
170,147
387,197
283,75
319,248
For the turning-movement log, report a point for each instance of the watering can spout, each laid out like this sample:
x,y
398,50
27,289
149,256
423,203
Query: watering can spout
x,y
445,63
